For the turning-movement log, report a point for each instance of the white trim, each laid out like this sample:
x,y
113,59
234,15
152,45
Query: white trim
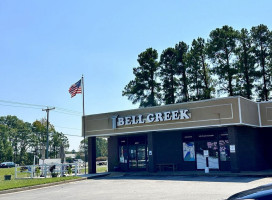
x,y
255,126
266,126
239,107
265,102
187,128
162,124
174,122
247,99
266,108
146,131
168,105
259,113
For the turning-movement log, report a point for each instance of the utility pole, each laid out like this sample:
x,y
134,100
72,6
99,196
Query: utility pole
x,y
47,124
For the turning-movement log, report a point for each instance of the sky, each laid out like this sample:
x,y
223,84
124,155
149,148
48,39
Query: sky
x,y
46,46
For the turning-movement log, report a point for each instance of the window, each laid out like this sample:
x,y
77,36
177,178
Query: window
x,y
123,154
188,148
188,151
224,150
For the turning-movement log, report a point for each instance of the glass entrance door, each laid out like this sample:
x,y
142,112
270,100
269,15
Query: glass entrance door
x,y
132,157
212,147
137,157
141,156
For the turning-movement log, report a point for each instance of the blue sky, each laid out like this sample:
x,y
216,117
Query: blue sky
x,y
45,46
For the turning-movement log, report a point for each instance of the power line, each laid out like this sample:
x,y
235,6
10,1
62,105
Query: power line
x,y
36,106
67,127
14,102
73,135
19,106
67,113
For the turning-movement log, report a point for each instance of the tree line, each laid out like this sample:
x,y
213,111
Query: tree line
x,y
101,148
20,141
230,62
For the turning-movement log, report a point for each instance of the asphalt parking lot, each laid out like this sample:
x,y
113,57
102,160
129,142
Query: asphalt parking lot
x,y
144,187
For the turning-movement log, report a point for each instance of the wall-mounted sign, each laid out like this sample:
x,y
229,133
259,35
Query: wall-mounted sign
x,y
232,148
151,118
150,153
206,153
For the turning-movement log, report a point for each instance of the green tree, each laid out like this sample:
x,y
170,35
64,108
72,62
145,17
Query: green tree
x,y
169,75
181,62
144,89
101,147
57,139
6,152
262,40
221,49
19,139
198,72
245,64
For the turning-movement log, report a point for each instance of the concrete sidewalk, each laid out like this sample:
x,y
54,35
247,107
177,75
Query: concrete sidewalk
x,y
91,176
264,173
83,177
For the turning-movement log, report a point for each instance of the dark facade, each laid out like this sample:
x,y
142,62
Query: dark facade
x,y
252,149
239,140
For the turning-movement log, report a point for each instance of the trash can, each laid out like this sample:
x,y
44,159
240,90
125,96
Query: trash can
x,y
7,177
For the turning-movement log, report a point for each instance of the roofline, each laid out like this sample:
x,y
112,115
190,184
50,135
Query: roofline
x,y
168,105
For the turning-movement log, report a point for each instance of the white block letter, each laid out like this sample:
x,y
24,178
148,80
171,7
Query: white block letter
x,y
183,114
120,121
150,118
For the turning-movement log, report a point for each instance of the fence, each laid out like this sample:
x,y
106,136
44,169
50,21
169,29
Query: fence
x,y
54,170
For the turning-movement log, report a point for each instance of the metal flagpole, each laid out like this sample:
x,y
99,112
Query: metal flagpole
x,y
84,122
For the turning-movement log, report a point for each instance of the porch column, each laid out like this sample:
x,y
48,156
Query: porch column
x,y
234,157
91,155
151,153
113,158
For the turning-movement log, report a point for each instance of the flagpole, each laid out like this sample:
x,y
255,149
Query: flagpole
x,y
84,122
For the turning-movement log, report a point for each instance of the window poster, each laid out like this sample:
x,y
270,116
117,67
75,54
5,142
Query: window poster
x,y
224,150
122,154
188,151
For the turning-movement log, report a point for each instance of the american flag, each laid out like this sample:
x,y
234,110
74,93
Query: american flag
x,y
75,89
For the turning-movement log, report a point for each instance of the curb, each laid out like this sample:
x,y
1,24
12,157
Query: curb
x,y
203,175
98,176
39,186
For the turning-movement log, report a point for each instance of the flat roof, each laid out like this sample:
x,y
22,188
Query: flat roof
x,y
217,112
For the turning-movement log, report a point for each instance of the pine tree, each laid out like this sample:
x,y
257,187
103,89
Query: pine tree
x,y
181,62
168,74
245,64
262,39
144,89
198,71
221,48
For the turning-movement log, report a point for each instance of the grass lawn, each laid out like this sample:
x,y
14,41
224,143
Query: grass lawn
x,y
4,185
99,169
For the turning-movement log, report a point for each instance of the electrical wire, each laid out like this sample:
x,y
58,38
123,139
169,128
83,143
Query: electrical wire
x,y
72,135
67,127
36,106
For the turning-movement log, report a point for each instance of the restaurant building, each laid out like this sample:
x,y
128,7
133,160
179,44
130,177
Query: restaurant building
x,y
234,133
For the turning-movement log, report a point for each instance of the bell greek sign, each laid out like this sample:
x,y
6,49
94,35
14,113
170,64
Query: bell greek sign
x,y
182,114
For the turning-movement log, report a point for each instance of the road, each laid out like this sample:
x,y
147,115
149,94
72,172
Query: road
x,y
153,188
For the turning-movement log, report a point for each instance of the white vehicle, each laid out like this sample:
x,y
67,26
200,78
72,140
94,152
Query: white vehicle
x,y
80,162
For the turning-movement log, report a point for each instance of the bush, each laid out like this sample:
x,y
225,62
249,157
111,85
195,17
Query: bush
x,y
69,169
38,171
51,169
